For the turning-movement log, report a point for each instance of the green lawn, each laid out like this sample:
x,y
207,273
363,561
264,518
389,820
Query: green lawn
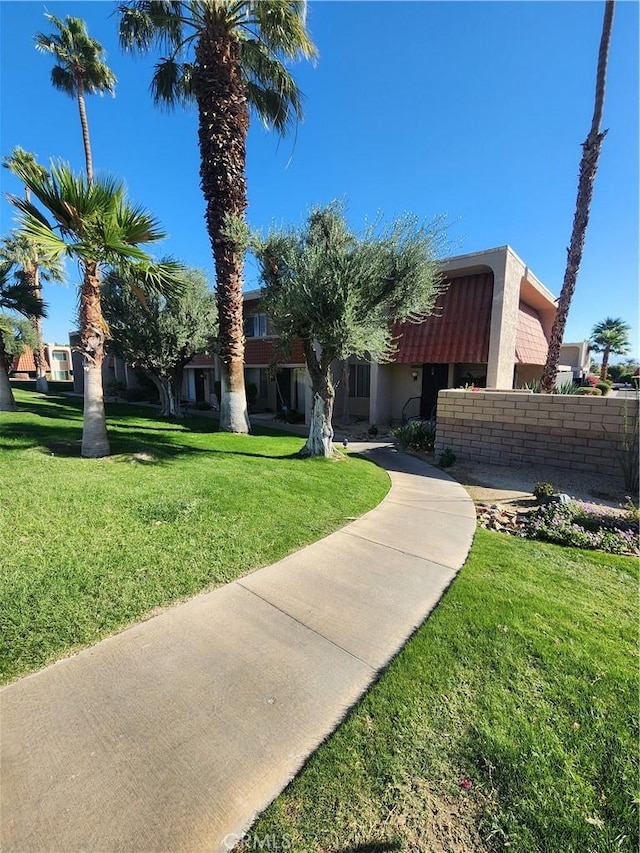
x,y
509,721
87,546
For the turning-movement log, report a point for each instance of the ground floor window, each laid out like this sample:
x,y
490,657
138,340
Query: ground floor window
x,y
359,380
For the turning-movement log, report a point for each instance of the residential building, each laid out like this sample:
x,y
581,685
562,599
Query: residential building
x,y
490,328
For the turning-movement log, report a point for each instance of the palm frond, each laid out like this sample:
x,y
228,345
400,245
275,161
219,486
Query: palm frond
x,y
271,89
19,295
282,27
152,22
172,83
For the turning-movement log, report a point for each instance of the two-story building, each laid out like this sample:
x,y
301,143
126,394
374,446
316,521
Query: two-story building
x,y
490,328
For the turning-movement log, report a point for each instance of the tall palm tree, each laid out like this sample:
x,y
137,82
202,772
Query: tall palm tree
x,y
97,225
588,168
227,56
18,295
36,267
610,336
79,70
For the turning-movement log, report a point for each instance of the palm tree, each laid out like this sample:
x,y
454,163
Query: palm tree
x,y
16,294
588,168
610,336
24,252
95,224
36,267
79,70
227,56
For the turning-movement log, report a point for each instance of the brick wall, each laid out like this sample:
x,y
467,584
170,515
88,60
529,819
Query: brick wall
x,y
520,428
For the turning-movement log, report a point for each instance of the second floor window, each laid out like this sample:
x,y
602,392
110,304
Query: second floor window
x,y
255,326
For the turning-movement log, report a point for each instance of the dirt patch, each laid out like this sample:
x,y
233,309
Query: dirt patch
x,y
488,483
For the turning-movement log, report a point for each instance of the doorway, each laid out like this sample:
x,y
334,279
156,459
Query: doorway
x,y
435,377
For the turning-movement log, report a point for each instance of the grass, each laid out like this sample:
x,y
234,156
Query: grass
x,y
508,722
89,546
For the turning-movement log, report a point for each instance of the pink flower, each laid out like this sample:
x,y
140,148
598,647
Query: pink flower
x,y
466,784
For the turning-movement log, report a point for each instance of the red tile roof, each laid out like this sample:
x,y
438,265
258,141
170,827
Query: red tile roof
x,y
259,351
531,341
457,332
25,362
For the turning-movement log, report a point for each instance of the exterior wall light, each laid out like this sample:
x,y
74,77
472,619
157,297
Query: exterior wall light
x,y
414,375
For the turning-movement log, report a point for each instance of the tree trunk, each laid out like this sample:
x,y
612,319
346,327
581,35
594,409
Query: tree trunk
x,y
223,119
605,364
7,400
171,394
39,355
320,441
92,334
85,129
588,168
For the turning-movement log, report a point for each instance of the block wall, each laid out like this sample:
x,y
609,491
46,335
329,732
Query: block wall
x,y
520,428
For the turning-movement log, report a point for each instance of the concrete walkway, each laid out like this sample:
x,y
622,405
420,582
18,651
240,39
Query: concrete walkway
x,y
174,734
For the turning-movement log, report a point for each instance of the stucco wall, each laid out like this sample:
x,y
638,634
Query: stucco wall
x,y
520,428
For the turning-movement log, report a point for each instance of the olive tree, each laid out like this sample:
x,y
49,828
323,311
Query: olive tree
x,y
160,334
340,292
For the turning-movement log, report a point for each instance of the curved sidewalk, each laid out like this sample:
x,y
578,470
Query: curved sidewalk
x,y
173,734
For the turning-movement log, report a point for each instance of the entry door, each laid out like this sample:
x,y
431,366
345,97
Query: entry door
x,y
283,381
199,382
435,377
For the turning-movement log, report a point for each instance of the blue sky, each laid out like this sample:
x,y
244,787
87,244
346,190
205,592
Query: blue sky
x,y
476,110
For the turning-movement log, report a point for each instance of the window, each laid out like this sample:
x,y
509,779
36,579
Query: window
x,y
359,380
59,356
255,326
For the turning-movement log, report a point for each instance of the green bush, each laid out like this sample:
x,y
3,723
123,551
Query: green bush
x,y
416,435
567,388
587,391
447,458
543,490
604,387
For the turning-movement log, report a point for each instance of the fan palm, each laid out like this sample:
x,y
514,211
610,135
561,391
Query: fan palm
x,y
97,225
36,266
227,56
588,168
79,70
610,336
17,294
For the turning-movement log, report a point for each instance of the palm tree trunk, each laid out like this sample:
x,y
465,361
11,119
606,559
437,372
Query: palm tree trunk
x,y
7,401
39,354
605,364
223,124
588,168
85,129
92,333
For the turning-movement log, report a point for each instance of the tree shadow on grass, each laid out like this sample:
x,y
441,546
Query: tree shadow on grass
x,y
139,444
371,847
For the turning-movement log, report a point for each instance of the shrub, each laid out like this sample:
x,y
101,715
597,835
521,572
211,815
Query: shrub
x,y
416,435
583,525
567,388
588,391
604,387
372,431
135,395
543,490
592,380
447,458
115,388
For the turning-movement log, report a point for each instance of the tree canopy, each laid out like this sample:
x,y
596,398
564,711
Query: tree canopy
x,y
610,336
340,291
160,334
